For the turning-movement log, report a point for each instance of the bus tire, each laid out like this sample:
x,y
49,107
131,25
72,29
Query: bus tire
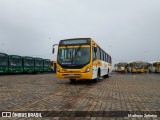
x,y
98,75
156,71
107,73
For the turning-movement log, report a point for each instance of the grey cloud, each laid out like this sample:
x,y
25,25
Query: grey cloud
x,y
130,28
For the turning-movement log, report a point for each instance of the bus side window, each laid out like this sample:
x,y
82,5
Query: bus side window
x,y
101,55
110,59
98,53
93,54
106,57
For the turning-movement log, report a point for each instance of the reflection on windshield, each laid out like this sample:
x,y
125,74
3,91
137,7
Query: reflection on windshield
x,y
74,56
3,61
122,65
15,62
47,64
29,62
39,63
138,65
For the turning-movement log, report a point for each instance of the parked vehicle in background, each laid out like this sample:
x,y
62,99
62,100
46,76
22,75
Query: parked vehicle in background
x,y
138,67
38,65
3,63
15,64
154,66
146,67
28,64
121,67
46,65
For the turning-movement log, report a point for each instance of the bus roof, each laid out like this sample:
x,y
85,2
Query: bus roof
x,y
122,63
17,56
3,54
28,57
138,62
38,58
75,38
98,45
46,59
155,62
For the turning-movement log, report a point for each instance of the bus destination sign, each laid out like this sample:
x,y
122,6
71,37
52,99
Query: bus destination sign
x,y
75,42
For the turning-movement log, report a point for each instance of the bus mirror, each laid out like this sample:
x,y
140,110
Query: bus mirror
x,y
95,49
53,51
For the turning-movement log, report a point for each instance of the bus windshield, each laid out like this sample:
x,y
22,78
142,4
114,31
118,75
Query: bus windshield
x,y
3,61
122,65
39,63
138,65
15,62
47,63
76,56
29,62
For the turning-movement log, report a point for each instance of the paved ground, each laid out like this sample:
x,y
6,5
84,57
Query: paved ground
x,y
43,92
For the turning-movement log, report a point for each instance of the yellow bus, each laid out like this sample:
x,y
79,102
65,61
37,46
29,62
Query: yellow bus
x,y
121,67
146,67
154,67
138,66
82,58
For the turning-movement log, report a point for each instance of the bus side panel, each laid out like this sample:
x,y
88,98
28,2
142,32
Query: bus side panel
x,y
94,72
105,68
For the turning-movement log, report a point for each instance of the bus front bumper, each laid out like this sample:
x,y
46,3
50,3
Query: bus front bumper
x,y
87,75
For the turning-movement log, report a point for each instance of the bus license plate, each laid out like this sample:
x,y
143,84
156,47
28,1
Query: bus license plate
x,y
71,75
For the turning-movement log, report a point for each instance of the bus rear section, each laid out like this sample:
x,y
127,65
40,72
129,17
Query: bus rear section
x,y
15,64
78,59
3,63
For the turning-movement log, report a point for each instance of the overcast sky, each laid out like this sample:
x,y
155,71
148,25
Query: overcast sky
x,y
127,29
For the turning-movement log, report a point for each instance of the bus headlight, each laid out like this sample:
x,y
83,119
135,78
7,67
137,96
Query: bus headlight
x,y
87,69
58,70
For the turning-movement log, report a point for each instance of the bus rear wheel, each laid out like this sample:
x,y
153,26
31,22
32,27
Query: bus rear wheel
x,y
96,79
98,75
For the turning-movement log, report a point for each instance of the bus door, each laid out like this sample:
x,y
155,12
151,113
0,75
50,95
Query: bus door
x,y
94,60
